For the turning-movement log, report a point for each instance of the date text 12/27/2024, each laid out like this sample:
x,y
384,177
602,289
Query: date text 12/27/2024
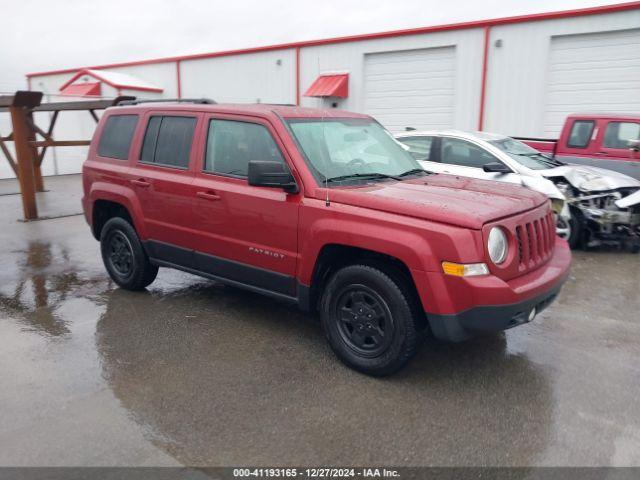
x,y
315,473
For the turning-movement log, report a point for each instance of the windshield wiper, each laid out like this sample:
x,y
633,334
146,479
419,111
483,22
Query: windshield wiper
x,y
414,171
368,176
545,159
555,161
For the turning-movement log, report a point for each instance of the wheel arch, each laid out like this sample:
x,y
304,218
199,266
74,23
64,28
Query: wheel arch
x,y
114,201
334,256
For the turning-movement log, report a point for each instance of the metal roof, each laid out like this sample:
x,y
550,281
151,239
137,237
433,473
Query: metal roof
x,y
85,89
114,79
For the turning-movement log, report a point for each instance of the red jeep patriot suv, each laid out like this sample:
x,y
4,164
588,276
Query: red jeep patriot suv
x,y
323,209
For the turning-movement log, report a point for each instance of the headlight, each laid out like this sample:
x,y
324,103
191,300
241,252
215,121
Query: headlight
x,y
497,245
565,189
557,205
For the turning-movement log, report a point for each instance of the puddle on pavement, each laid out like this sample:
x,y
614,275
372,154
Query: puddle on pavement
x,y
214,375
225,377
43,279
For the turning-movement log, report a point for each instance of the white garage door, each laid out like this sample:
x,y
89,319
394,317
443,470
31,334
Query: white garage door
x,y
598,72
411,88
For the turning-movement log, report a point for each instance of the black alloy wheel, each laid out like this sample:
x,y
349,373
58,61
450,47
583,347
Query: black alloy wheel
x,y
370,318
124,256
120,253
366,324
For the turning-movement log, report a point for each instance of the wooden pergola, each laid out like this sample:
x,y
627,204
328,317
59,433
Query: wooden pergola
x,y
29,150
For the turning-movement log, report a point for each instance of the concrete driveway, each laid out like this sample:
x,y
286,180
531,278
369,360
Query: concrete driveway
x,y
195,373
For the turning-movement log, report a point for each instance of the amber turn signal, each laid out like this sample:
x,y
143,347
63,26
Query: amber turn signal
x,y
465,270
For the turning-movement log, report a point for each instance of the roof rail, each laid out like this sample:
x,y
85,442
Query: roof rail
x,y
202,101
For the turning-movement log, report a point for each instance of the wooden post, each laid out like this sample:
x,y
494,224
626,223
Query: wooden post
x,y
28,160
25,161
37,172
7,154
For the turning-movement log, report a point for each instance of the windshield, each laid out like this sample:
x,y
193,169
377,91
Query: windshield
x,y
351,150
524,154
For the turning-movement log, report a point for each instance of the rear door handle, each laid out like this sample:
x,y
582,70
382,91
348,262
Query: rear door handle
x,y
141,182
209,195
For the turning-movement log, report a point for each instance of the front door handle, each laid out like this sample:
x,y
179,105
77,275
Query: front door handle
x,y
141,182
209,195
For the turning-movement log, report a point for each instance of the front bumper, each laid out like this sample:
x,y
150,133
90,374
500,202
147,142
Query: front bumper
x,y
611,225
467,307
456,327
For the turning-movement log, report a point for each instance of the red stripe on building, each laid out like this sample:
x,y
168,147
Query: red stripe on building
x,y
620,7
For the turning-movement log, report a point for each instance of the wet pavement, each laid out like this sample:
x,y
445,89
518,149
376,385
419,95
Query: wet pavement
x,y
195,373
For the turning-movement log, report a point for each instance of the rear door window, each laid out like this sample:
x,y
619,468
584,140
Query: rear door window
x,y
116,137
168,140
580,135
618,134
463,153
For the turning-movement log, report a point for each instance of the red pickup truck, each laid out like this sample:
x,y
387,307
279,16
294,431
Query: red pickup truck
x,y
600,140
323,209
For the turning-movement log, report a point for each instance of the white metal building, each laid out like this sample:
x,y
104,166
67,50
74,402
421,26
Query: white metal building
x,y
518,75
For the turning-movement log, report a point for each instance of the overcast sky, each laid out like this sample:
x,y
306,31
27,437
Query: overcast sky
x,y
38,35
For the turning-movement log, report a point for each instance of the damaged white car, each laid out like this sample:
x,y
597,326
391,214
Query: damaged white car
x,y
593,205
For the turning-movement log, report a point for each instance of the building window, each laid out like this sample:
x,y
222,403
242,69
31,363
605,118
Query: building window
x,y
580,133
116,137
168,140
231,145
618,134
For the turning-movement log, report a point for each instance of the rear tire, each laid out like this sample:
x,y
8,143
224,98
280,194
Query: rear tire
x,y
368,320
124,257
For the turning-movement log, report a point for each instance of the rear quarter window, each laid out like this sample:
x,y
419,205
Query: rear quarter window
x,y
618,134
116,136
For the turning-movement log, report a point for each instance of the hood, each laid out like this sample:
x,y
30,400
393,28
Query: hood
x,y
542,185
461,201
591,179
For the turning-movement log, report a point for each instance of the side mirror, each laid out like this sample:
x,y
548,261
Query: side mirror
x,y
634,145
496,167
263,173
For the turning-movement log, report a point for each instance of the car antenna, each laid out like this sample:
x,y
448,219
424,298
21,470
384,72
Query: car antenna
x,y
327,203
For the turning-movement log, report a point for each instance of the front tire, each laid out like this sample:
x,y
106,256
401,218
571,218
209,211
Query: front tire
x,y
368,320
569,229
124,257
